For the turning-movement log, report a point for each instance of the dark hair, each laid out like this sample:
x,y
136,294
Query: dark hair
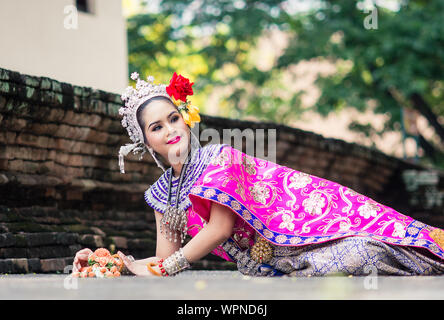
x,y
142,107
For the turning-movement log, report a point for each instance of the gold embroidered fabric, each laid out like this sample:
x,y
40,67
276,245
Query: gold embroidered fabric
x,y
347,256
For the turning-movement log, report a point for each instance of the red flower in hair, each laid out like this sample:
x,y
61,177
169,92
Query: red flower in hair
x,y
180,87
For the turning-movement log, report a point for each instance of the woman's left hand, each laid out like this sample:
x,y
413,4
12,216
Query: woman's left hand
x,y
138,267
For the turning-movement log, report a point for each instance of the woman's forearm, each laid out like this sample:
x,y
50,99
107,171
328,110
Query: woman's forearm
x,y
164,247
218,229
203,243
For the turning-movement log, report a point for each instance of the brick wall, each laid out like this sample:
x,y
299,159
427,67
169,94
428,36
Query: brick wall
x,y
61,189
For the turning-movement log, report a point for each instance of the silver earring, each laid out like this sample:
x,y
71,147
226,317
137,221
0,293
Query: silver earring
x,y
159,164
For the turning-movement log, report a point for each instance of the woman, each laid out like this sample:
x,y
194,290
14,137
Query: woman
x,y
269,219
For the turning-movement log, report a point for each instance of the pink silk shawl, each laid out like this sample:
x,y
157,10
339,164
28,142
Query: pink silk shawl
x,y
292,208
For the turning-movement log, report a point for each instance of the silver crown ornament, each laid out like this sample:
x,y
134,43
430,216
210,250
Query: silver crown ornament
x,y
134,97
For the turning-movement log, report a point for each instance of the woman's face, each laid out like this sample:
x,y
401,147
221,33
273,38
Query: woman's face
x,y
165,130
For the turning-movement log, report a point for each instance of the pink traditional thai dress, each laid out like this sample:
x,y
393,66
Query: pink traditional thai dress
x,y
315,226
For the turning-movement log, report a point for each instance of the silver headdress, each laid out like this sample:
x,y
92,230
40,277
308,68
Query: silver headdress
x,y
133,100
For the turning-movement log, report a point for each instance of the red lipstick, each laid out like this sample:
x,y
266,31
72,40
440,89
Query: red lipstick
x,y
174,140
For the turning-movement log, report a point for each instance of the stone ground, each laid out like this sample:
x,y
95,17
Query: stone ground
x,y
209,285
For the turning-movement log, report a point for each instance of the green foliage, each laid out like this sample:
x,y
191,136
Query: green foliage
x,y
214,42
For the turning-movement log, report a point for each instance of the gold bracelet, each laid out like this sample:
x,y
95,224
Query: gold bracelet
x,y
175,260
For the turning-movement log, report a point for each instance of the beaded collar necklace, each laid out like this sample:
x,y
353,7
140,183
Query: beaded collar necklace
x,y
175,219
157,194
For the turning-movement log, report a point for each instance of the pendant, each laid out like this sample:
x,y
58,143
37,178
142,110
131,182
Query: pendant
x,y
173,220
261,251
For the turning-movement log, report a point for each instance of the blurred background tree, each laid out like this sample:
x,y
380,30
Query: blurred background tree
x,y
388,55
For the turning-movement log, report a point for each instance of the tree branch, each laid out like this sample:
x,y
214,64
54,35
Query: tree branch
x,y
422,106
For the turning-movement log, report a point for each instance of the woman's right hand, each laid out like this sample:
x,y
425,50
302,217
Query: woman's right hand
x,y
148,260
138,267
81,259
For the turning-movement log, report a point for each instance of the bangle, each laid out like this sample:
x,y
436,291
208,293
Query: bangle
x,y
176,262
149,265
161,267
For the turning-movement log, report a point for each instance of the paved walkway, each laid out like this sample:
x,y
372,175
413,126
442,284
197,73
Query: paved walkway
x,y
208,285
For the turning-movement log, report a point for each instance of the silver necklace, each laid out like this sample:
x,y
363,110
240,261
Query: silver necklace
x,y
175,219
